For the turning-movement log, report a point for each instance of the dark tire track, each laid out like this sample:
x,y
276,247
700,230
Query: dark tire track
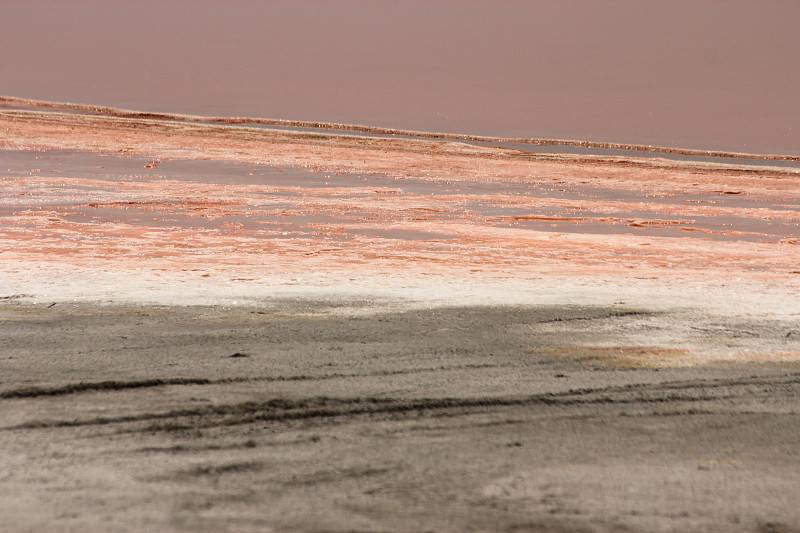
x,y
321,408
103,386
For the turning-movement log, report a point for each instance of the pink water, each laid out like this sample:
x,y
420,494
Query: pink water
x,y
706,75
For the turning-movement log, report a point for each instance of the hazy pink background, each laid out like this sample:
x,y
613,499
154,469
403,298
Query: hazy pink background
x,y
717,75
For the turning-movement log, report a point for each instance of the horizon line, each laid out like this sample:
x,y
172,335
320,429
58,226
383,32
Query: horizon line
x,y
380,130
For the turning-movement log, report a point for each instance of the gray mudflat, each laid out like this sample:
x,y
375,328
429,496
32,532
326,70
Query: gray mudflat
x,y
307,416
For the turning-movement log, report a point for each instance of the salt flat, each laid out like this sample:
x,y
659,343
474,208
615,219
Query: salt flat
x,y
223,328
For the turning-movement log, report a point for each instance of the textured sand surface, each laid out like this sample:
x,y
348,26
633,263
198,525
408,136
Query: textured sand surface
x,y
293,417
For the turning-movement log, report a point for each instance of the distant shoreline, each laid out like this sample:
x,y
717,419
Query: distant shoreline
x,y
16,103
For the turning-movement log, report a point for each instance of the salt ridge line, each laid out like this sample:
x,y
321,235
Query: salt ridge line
x,y
322,138
355,128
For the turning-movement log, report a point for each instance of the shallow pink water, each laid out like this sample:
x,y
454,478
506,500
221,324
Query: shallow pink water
x,y
192,197
287,203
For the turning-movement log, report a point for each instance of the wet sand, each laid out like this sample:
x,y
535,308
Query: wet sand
x,y
211,327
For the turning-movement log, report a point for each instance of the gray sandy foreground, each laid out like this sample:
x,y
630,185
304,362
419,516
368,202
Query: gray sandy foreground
x,y
333,414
